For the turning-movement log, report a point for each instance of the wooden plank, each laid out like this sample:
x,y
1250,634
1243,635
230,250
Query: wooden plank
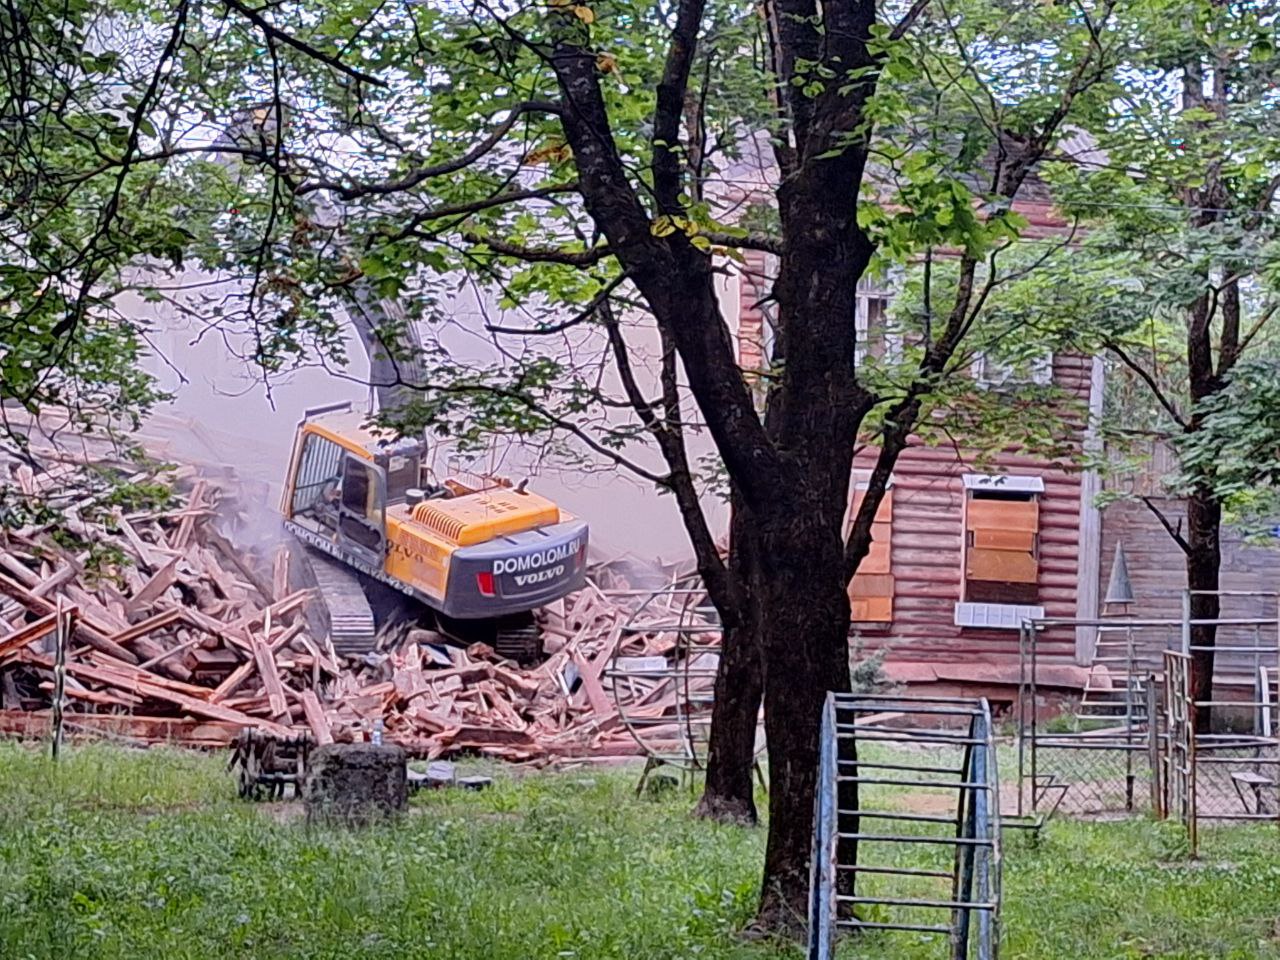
x,y
1001,566
104,618
151,686
127,675
140,546
25,636
224,547
57,579
871,610
878,558
188,524
149,625
99,697
884,514
270,678
871,585
205,733
1002,515
231,634
316,719
276,610
601,706
165,655
91,633
155,587
27,578
242,673
991,539
280,574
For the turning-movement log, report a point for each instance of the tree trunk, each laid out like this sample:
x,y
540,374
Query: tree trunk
x,y
804,629
1204,561
729,794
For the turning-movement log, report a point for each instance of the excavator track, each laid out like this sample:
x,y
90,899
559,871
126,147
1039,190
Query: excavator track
x,y
352,627
518,639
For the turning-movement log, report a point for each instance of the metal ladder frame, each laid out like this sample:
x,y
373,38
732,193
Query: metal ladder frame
x,y
973,925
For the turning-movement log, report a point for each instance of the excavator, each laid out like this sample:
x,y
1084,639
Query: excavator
x,y
479,552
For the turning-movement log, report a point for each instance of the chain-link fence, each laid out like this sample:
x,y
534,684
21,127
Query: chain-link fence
x,y
1138,742
1096,781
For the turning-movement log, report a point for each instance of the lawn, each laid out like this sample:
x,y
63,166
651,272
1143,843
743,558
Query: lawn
x,y
118,854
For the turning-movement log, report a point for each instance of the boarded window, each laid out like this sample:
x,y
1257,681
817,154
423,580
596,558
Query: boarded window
x,y
871,590
1002,539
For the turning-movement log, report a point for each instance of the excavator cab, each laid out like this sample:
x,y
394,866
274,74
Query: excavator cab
x,y
471,548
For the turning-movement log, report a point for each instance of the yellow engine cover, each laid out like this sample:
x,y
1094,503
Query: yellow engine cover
x,y
480,517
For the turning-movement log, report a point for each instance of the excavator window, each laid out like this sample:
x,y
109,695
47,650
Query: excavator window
x,y
316,484
402,473
361,504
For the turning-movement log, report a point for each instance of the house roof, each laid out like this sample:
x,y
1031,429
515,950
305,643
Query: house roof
x,y
753,169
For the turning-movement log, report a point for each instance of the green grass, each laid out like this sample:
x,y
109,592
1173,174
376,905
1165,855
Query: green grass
x,y
118,854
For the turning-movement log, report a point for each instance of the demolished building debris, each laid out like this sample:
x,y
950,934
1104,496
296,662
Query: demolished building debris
x,y
185,632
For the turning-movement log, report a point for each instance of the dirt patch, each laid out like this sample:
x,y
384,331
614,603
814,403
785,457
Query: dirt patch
x,y
938,803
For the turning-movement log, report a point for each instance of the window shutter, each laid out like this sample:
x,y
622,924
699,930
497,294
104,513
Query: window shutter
x,y
871,590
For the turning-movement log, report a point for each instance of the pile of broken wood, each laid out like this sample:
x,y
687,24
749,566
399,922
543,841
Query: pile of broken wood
x,y
182,634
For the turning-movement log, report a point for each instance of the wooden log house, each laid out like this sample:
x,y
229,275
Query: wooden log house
x,y
962,554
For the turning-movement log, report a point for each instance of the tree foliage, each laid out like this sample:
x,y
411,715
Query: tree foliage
x,y
552,194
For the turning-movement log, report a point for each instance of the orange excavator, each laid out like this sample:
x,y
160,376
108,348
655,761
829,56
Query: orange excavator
x,y
478,551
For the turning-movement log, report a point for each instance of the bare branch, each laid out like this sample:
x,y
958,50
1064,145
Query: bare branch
x,y
475,206
573,258
599,300
902,26
414,178
1175,532
670,439
258,20
1258,324
1161,397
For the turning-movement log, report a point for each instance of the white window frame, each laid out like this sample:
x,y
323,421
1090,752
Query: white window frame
x,y
991,374
981,614
869,290
1007,482
859,479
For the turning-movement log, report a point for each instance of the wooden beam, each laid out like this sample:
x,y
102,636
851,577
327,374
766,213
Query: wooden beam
x,y
25,636
316,719
61,576
168,653
140,546
224,547
156,622
154,588
266,661
280,574
187,526
158,689
275,611
91,633
202,733
240,674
